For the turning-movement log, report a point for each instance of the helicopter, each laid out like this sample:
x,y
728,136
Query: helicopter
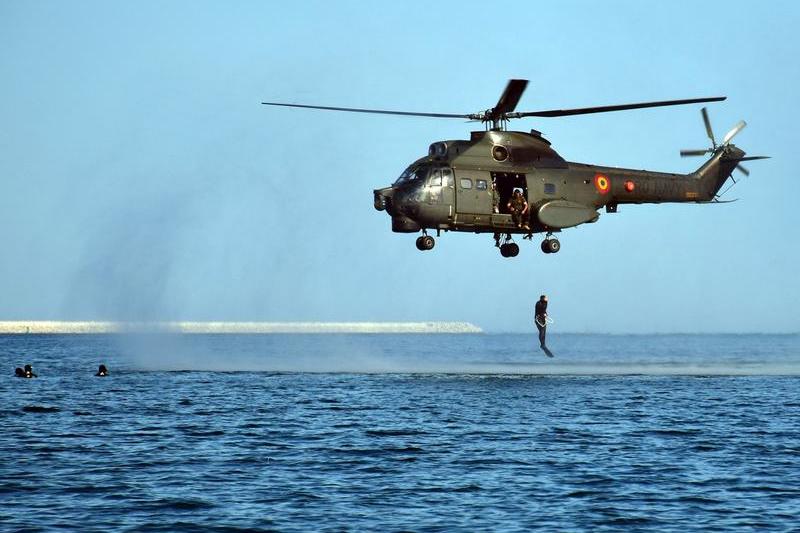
x,y
475,185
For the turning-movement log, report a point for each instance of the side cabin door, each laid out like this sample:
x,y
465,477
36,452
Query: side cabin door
x,y
473,197
440,196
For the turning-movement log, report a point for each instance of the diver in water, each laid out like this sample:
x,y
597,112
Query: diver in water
x,y
540,313
18,372
102,371
29,372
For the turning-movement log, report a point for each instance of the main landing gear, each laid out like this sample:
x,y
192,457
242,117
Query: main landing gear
x,y
508,248
425,242
550,246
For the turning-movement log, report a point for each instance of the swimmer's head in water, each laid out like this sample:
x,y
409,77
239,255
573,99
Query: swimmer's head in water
x,y
19,372
102,371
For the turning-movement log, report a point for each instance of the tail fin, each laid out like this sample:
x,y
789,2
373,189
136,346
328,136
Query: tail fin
x,y
716,171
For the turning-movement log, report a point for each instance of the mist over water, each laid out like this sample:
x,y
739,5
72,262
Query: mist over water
x,y
469,354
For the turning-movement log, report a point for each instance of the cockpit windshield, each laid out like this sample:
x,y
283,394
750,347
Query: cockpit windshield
x,y
412,173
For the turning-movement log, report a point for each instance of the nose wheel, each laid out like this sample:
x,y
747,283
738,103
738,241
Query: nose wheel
x,y
425,242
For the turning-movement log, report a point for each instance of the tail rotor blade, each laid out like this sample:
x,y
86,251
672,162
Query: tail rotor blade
x,y
707,122
736,129
685,153
754,157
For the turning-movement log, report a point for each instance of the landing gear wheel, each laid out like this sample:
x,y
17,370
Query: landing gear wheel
x,y
426,242
551,246
509,249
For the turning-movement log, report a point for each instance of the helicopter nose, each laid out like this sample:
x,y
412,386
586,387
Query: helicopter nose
x,y
379,201
382,199
404,224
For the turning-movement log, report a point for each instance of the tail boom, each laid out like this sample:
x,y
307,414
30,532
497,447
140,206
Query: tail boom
x,y
702,185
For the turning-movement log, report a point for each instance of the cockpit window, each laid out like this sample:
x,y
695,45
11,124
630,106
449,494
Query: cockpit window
x,y
436,178
412,173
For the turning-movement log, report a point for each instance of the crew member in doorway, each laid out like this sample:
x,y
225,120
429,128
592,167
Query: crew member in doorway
x,y
518,208
541,318
495,198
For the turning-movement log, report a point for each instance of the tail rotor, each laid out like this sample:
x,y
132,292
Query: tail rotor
x,y
726,142
709,131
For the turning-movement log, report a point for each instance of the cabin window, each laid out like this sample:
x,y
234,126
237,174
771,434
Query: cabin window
x,y
466,183
549,188
481,185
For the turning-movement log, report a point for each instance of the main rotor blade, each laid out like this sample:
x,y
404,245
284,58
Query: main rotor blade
x,y
510,98
736,129
707,122
743,170
607,108
684,153
376,111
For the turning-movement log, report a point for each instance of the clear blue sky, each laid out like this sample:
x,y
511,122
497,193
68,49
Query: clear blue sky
x,y
140,178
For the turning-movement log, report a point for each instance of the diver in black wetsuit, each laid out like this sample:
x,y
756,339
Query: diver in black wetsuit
x,y
541,318
29,372
102,371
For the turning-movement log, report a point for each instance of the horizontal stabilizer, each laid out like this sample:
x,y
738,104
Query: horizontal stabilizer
x,y
715,201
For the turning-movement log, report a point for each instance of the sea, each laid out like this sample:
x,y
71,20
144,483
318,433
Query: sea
x,y
411,432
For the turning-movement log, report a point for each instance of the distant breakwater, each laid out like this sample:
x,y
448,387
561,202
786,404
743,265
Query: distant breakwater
x,y
40,327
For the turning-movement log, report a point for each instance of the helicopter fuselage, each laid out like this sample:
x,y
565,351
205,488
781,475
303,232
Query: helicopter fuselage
x,y
511,182
467,186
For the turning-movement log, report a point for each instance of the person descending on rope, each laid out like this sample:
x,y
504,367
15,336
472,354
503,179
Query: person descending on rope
x,y
540,313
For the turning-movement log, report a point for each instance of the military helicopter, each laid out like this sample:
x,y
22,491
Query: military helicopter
x,y
475,185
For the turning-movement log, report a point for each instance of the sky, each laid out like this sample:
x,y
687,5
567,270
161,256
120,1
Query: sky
x,y
141,178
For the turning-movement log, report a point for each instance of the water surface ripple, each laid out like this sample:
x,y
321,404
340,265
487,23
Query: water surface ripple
x,y
155,450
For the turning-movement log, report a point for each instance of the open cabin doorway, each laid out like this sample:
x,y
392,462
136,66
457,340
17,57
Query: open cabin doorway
x,y
506,182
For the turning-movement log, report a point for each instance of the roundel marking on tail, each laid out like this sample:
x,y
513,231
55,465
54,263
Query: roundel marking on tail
x,y
602,183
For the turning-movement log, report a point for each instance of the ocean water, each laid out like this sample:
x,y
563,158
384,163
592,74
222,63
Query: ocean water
x,y
401,433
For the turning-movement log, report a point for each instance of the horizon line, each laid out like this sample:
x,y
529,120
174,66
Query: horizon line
x,y
67,327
